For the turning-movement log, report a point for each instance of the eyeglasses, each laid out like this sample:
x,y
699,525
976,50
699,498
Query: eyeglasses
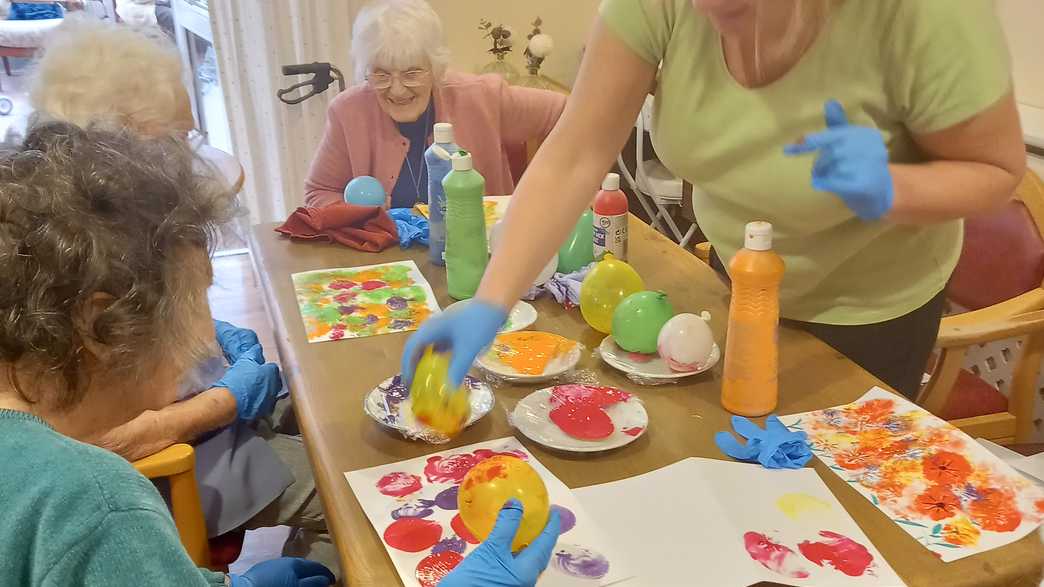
x,y
413,78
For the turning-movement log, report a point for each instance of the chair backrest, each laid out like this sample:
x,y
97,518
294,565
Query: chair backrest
x,y
1003,255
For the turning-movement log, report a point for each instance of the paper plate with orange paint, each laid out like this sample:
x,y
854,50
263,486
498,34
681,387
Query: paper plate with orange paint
x,y
530,356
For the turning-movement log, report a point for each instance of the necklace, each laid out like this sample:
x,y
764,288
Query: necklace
x,y
416,176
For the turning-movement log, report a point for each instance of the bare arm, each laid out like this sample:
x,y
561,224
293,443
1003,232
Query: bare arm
x,y
565,174
975,166
155,430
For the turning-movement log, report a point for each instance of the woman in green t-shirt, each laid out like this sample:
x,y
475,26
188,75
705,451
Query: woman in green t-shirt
x,y
864,131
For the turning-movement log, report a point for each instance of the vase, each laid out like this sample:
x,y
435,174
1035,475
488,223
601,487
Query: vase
x,y
502,68
534,80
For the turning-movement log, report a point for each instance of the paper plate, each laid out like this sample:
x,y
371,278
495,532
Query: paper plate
x,y
389,405
557,366
522,316
648,366
532,418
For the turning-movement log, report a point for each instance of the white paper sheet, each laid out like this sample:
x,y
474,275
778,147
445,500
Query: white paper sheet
x,y
434,479
1033,466
685,524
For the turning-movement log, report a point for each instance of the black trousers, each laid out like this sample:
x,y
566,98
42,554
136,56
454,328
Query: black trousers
x,y
895,351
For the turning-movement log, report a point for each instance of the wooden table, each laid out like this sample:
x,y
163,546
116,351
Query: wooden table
x,y
329,381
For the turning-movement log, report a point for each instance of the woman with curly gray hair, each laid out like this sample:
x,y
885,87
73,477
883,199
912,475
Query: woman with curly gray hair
x,y
103,248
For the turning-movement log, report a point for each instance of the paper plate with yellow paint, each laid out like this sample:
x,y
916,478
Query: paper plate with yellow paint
x,y
530,356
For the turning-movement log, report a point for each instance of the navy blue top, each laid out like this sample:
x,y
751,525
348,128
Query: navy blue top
x,y
413,188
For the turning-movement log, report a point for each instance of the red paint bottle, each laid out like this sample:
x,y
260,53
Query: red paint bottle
x,y
610,219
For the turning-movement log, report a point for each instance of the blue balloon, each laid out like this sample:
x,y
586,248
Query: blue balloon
x,y
364,191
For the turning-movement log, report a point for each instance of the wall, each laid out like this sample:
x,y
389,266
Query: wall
x,y
567,21
1024,24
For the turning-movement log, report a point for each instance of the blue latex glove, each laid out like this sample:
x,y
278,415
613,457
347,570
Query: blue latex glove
x,y
254,383
285,572
464,333
492,564
235,341
852,162
412,227
775,446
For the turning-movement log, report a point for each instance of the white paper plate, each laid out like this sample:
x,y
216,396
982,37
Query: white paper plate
x,y
522,315
648,366
389,405
532,418
559,365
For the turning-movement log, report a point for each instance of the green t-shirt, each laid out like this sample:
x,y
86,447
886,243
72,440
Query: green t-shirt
x,y
74,514
902,66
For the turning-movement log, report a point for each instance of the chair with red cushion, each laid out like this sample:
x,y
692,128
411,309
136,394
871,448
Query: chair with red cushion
x,y
996,344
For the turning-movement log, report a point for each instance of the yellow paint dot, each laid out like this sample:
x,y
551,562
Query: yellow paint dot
x,y
796,505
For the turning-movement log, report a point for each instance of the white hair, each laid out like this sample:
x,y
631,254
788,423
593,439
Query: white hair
x,y
397,35
93,71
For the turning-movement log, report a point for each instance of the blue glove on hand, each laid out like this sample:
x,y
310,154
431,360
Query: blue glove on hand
x,y
285,572
492,564
254,383
463,332
235,341
852,162
775,447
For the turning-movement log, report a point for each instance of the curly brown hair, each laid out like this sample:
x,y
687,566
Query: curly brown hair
x,y
87,212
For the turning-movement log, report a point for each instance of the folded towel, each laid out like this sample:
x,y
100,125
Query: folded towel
x,y
367,228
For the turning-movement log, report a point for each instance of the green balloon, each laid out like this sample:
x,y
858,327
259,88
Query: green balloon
x,y
578,250
638,319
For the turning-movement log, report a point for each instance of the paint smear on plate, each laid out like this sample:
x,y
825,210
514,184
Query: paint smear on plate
x,y
633,431
398,484
436,566
412,534
566,518
839,552
529,353
576,393
774,556
577,561
583,421
799,505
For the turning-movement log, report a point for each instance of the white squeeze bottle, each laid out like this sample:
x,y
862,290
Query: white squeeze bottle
x,y
610,219
437,158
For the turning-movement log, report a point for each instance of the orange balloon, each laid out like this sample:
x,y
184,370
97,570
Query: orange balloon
x,y
490,484
434,403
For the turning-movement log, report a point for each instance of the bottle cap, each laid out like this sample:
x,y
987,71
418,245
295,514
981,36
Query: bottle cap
x,y
462,161
611,183
443,132
758,236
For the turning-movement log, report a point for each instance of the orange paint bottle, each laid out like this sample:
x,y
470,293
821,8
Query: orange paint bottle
x,y
750,385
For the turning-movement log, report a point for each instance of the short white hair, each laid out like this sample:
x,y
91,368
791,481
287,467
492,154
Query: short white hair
x,y
398,34
93,71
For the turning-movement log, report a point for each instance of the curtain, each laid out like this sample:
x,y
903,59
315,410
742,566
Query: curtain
x,y
275,141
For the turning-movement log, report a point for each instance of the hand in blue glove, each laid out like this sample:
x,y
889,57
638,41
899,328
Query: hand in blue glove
x,y
852,162
492,564
254,383
775,447
463,332
235,341
285,572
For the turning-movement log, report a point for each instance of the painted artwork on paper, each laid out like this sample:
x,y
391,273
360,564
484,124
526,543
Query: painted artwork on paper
x,y
363,301
494,207
413,507
936,482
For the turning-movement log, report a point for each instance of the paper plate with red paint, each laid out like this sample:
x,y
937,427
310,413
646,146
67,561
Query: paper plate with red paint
x,y
565,418
649,367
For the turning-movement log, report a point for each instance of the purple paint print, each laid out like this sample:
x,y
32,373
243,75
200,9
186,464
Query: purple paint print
x,y
451,544
398,303
577,561
400,324
447,499
566,518
372,319
347,310
418,508
396,392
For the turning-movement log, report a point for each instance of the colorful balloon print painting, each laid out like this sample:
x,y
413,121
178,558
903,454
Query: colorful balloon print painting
x,y
413,506
363,301
936,482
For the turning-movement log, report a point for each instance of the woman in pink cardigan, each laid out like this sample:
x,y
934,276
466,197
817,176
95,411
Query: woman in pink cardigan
x,y
382,127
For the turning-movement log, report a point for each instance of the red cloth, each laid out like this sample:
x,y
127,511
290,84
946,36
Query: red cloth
x,y
367,228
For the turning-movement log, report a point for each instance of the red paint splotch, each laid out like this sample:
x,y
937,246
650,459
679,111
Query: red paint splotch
x,y
633,431
583,421
449,469
372,285
461,530
412,534
434,567
602,397
398,484
838,551
774,556
1040,506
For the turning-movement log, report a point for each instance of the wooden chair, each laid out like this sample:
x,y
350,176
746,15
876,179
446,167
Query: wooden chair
x,y
177,464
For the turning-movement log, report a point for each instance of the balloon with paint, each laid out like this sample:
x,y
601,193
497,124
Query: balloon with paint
x,y
608,283
434,403
638,319
364,191
578,250
685,342
490,484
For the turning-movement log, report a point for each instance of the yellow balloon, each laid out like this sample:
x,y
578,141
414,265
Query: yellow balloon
x,y
435,404
490,484
608,283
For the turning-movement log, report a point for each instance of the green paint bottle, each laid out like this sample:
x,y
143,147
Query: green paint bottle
x,y
466,250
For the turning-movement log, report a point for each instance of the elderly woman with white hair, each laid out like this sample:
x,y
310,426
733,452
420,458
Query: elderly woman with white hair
x,y
381,127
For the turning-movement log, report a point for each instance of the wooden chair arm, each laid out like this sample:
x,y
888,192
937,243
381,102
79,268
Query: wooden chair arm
x,y
1028,302
964,335
168,462
702,251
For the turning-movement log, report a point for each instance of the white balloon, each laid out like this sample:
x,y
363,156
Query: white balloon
x,y
685,342
545,275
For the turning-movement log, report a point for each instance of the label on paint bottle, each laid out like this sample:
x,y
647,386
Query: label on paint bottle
x,y
610,236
